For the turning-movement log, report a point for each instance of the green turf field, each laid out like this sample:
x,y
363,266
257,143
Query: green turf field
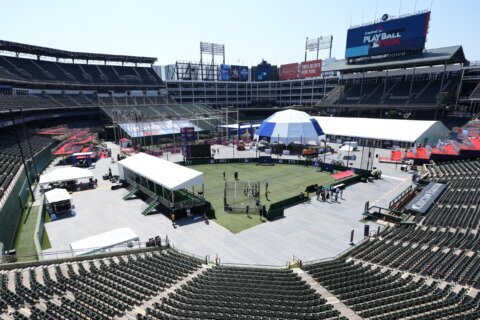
x,y
24,244
284,181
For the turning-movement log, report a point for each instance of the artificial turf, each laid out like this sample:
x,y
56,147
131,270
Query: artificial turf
x,y
284,181
24,244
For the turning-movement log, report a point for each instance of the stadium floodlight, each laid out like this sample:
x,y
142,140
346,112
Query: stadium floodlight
x,y
317,44
212,50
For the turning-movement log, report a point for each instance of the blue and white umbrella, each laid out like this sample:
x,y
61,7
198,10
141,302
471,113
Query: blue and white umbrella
x,y
290,126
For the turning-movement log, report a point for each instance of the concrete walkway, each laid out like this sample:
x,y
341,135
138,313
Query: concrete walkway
x,y
331,299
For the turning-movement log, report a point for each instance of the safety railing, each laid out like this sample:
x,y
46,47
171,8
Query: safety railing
x,y
86,253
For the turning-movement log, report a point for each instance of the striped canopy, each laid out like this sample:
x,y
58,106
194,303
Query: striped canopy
x,y
290,126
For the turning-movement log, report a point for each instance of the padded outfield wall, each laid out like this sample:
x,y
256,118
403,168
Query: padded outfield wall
x,y
12,209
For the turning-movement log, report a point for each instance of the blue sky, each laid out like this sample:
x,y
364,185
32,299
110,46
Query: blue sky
x,y
250,29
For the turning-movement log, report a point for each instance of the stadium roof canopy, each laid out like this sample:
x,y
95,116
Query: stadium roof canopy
x,y
446,55
169,175
57,53
413,131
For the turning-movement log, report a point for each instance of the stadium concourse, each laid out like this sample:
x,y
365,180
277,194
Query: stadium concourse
x,y
310,231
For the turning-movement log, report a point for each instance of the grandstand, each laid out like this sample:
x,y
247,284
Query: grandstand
x,y
18,70
429,86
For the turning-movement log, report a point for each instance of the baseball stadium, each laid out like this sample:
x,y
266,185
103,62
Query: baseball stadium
x,y
334,186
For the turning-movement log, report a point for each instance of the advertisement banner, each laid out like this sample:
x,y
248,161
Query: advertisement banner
x,y
264,72
224,72
389,36
239,73
309,69
424,200
187,133
289,71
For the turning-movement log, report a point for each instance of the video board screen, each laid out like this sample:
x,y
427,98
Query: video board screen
x,y
404,34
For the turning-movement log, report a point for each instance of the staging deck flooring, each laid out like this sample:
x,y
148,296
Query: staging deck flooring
x,y
309,231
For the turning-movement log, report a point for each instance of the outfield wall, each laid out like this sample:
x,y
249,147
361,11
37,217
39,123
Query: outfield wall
x,y
12,209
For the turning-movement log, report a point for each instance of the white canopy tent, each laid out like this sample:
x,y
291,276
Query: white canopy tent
x,y
169,175
65,174
411,131
103,241
58,201
346,148
57,195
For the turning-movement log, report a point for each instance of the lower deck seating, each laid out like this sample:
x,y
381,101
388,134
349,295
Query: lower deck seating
x,y
379,293
92,289
243,293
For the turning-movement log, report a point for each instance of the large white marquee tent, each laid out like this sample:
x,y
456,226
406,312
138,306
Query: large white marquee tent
x,y
170,175
399,130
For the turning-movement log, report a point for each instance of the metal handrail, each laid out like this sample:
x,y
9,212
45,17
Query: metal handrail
x,y
258,266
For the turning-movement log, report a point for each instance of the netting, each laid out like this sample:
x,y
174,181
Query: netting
x,y
240,194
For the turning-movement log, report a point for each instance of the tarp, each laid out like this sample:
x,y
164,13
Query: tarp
x,y
165,173
103,241
65,174
57,195
289,126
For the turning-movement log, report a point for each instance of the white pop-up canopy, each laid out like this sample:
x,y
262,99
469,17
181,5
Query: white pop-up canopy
x,y
57,195
103,241
65,174
169,175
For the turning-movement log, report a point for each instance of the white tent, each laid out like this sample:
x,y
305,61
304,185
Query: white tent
x,y
65,174
57,195
103,241
413,131
346,148
289,126
169,175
